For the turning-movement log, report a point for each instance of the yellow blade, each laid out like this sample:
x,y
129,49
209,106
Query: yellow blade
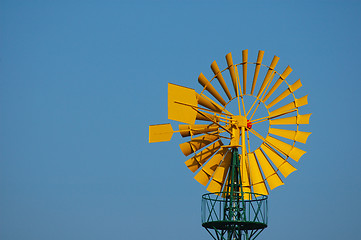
x,y
160,133
297,136
232,72
206,117
285,148
300,119
244,168
283,76
295,104
287,92
270,174
204,102
220,78
209,87
195,129
220,174
258,183
256,71
199,159
197,143
244,60
177,97
205,174
281,164
268,75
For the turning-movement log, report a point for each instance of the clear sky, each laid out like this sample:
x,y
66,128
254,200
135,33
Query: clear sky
x,y
80,81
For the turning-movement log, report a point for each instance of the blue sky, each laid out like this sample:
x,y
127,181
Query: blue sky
x,y
80,81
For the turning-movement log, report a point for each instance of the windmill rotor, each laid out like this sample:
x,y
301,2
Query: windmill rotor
x,y
257,115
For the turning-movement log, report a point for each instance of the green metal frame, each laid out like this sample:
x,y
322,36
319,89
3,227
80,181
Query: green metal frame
x,y
234,214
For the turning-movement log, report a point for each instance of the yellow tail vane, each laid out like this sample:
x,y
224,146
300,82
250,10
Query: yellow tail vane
x,y
244,67
209,87
180,102
286,93
268,75
197,143
232,72
265,151
160,133
256,71
220,78
195,129
283,76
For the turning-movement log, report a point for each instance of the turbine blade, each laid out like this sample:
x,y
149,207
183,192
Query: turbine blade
x,y
256,71
195,129
258,182
197,143
281,164
206,117
220,78
232,72
270,174
297,136
204,102
299,119
295,104
244,60
268,75
205,174
199,159
220,174
285,148
209,87
280,80
160,133
285,94
178,96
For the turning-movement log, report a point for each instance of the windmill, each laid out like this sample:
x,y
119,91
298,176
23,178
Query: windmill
x,y
242,140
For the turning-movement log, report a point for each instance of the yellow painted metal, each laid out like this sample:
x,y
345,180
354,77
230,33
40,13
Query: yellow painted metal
x,y
200,158
244,61
160,133
246,185
295,104
220,78
283,76
178,111
270,174
205,174
206,117
232,72
197,143
220,174
268,75
281,164
258,182
299,119
204,102
285,148
297,136
286,93
209,87
256,71
195,129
